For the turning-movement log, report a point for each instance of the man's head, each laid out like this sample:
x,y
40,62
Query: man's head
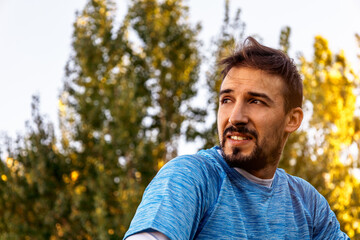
x,y
260,104
272,61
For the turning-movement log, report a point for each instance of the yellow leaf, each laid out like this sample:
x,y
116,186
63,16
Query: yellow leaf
x,y
66,179
4,177
74,175
80,189
9,162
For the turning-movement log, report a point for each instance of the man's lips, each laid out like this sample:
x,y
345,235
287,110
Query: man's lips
x,y
239,137
239,134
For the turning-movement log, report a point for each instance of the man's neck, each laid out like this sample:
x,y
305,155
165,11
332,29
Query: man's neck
x,y
266,173
254,179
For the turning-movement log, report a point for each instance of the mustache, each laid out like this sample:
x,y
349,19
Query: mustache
x,y
242,129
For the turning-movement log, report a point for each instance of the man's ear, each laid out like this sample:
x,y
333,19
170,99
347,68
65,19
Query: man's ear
x,y
293,119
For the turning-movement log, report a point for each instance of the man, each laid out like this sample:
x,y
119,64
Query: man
x,y
236,191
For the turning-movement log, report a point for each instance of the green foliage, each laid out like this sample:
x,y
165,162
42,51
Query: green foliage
x,y
119,123
120,106
33,195
170,47
101,107
285,39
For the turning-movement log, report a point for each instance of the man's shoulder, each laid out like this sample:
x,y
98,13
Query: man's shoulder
x,y
294,181
299,187
305,198
206,161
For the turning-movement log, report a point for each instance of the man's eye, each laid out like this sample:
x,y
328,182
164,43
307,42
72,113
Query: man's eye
x,y
256,101
225,100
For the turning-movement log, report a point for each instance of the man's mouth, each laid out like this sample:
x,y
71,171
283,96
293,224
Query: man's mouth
x,y
241,135
239,138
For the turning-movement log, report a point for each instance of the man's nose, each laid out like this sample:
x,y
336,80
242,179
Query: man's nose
x,y
239,115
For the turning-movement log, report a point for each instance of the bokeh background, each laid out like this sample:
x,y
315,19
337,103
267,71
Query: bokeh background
x,y
96,96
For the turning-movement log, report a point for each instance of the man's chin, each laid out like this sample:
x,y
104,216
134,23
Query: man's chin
x,y
243,163
235,158
237,152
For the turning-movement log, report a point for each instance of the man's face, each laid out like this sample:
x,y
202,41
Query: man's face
x,y
251,118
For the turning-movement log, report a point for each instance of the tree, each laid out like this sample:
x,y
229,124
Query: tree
x,y
33,199
285,39
170,48
119,108
119,123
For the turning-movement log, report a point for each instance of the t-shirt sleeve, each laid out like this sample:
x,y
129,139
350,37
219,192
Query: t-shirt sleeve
x,y
326,225
176,199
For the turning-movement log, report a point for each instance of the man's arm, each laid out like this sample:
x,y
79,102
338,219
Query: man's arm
x,y
326,225
176,199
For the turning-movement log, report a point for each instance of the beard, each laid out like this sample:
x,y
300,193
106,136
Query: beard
x,y
258,159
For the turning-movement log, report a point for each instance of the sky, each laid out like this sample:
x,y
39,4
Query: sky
x,y
35,41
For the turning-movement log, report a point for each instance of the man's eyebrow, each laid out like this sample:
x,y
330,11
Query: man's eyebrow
x,y
261,95
225,91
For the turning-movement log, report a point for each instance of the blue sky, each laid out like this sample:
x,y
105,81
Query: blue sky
x,y
35,41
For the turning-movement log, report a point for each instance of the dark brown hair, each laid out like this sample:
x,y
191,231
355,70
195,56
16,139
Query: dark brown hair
x,y
254,55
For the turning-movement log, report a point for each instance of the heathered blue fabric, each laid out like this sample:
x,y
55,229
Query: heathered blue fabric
x,y
200,197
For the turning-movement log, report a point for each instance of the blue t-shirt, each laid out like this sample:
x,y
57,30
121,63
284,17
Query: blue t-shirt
x,y
200,197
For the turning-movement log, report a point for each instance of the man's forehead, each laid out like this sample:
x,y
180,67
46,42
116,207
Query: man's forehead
x,y
246,72
250,76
